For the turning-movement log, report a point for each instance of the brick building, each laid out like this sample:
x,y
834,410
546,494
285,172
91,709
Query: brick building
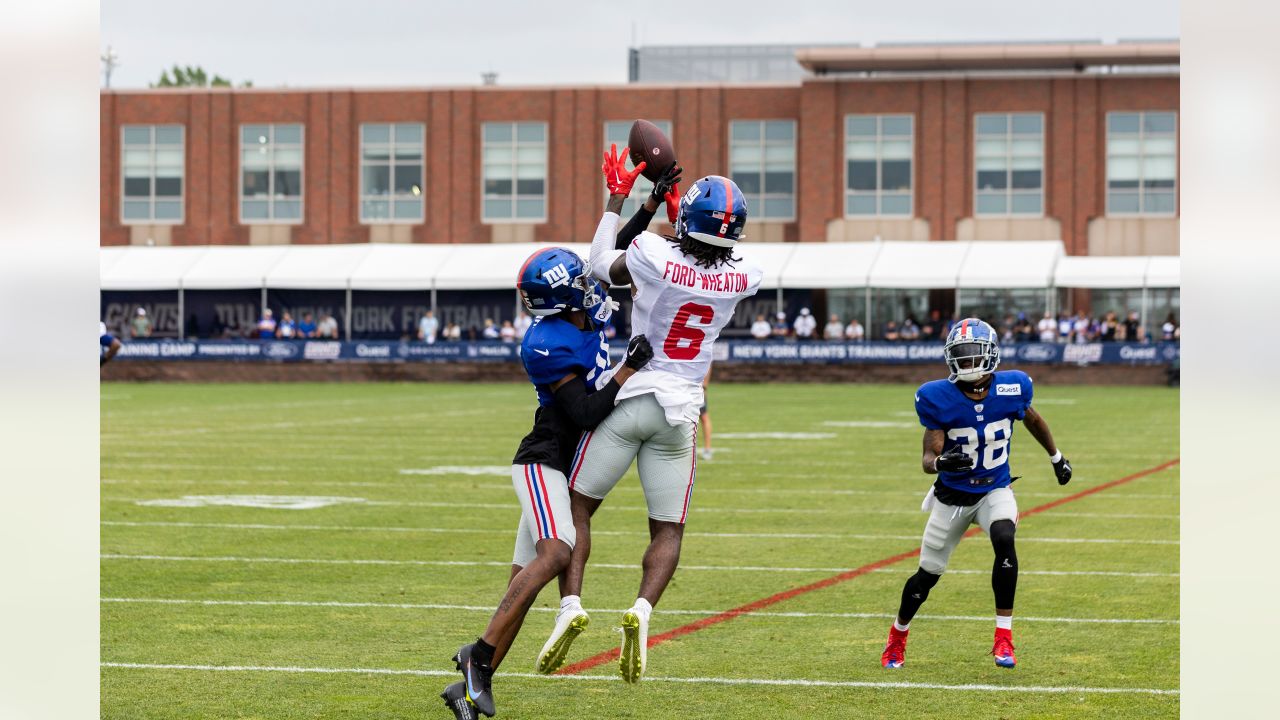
x,y
1028,142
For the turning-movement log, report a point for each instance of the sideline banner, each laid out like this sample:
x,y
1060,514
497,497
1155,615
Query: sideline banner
x,y
728,351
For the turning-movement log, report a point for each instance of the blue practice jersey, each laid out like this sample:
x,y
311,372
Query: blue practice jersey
x,y
554,347
104,339
981,428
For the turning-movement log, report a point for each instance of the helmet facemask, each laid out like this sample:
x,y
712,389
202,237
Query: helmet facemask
x,y
970,360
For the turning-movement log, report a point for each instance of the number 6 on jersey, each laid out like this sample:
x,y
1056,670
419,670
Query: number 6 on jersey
x,y
684,341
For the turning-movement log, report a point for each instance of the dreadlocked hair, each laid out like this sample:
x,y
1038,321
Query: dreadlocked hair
x,y
704,254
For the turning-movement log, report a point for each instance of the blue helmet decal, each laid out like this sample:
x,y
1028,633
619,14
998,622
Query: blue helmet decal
x,y
555,279
971,350
713,211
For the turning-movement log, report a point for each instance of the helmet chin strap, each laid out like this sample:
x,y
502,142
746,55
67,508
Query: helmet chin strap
x,y
977,385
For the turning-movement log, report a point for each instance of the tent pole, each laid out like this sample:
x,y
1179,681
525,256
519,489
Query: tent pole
x,y
433,300
264,297
1142,320
182,313
866,329
347,320
780,307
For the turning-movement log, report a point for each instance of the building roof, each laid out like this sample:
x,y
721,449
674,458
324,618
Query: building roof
x,y
986,56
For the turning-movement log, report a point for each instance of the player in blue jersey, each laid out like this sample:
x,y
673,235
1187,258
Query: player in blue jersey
x,y
108,345
566,358
968,420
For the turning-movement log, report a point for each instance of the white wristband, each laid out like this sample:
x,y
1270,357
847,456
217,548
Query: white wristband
x,y
1056,457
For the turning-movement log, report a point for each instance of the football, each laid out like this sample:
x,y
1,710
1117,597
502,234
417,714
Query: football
x,y
650,145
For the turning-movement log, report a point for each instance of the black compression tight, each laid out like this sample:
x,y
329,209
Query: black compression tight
x,y
1004,571
914,593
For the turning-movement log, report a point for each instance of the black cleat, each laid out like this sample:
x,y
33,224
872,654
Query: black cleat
x,y
455,698
478,680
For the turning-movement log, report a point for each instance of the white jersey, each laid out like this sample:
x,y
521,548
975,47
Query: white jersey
x,y
681,308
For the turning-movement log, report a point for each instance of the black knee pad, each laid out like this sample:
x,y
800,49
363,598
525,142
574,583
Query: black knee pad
x,y
1001,534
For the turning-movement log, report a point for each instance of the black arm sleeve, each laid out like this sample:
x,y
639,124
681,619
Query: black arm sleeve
x,y
634,227
586,410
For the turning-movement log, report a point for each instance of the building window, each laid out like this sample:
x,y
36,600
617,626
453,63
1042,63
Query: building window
x,y
1009,164
271,174
391,173
617,133
514,160
152,160
878,155
762,161
1142,163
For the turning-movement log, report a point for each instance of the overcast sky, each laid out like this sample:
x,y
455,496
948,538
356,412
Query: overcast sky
x,y
422,42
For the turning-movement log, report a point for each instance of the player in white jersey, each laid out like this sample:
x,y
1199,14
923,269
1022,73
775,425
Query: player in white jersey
x,y
685,289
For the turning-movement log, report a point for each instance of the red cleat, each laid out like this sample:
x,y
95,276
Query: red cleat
x,y
895,649
1003,649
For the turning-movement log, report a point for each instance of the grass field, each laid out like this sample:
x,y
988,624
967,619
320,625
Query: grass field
x,y
352,609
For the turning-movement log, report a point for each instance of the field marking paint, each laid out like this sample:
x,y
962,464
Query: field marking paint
x,y
495,470
775,436
486,531
665,611
802,682
499,563
776,598
273,502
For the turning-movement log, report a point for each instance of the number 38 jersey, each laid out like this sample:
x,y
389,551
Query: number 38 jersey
x,y
681,307
982,429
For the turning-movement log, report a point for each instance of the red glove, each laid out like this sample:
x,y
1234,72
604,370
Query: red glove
x,y
616,177
673,203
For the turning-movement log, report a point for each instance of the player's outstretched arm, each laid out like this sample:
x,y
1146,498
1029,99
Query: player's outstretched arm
x,y
608,264
665,190
1039,429
587,410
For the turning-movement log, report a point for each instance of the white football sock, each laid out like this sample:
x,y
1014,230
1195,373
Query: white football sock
x,y
569,601
643,607
900,628
1004,622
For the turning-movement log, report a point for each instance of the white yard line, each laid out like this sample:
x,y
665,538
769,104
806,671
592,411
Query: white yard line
x,y
499,563
702,680
663,611
470,531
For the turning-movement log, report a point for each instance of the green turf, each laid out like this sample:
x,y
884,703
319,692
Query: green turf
x,y
855,495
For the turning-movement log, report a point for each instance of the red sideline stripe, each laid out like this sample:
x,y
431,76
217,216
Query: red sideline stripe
x,y
762,603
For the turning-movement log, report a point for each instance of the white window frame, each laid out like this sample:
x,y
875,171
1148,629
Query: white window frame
x,y
879,139
758,215
182,198
1142,142
271,169
643,186
392,198
1008,154
515,147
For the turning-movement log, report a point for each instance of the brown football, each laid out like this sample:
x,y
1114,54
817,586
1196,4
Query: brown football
x,y
650,145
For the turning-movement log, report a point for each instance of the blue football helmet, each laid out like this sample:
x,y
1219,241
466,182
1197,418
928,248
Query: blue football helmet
x,y
971,351
555,279
713,211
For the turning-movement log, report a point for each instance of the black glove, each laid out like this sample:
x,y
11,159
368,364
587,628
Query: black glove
x,y
639,352
955,461
666,183
1062,469
101,361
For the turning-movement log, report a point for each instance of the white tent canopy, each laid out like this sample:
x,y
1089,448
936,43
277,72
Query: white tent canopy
x,y
1009,264
830,265
1164,271
491,267
1101,272
400,267
228,268
917,265
316,267
773,258
151,268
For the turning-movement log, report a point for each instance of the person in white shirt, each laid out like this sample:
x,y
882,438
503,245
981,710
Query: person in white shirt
x,y
523,321
1064,327
805,325
685,289
854,331
760,329
508,332
834,330
1048,327
428,326
490,331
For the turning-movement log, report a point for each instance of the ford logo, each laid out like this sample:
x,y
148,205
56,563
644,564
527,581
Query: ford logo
x,y
1038,353
280,350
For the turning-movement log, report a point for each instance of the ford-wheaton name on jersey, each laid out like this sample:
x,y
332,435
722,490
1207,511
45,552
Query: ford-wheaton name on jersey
x,y
983,429
678,273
